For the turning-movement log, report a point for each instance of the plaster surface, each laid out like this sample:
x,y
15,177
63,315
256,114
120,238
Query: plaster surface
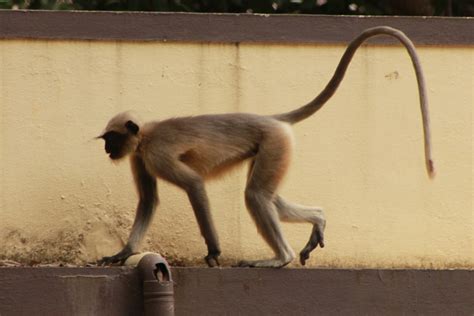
x,y
360,157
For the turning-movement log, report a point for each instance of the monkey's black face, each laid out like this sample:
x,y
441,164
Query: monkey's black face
x,y
115,144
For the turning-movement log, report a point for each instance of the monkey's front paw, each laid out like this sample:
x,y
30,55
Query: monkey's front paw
x,y
119,258
212,260
107,261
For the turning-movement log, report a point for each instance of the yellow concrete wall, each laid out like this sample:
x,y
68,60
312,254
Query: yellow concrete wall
x,y
360,158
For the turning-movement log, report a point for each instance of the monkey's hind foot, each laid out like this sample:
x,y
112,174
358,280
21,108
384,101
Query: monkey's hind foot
x,y
316,238
271,263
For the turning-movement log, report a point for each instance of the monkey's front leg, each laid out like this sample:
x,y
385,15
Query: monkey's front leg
x,y
190,181
200,203
143,217
148,194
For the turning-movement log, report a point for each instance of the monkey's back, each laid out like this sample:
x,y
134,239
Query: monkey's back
x,y
210,144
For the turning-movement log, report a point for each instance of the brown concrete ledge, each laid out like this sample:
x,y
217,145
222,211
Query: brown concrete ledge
x,y
204,291
224,28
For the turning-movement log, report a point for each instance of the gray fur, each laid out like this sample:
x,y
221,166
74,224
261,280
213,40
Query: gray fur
x,y
187,151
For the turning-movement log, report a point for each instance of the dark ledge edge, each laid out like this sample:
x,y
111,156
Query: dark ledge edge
x,y
205,291
225,28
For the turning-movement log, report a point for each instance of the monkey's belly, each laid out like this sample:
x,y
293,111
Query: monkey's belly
x,y
212,164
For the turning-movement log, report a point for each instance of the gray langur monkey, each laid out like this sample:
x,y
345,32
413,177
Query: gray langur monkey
x,y
186,151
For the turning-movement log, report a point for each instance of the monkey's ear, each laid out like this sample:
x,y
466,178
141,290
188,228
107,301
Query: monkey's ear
x,y
132,127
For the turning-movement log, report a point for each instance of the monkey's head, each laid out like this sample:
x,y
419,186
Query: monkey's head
x,y
121,135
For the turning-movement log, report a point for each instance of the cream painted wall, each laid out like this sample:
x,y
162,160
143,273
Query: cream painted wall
x,y
360,158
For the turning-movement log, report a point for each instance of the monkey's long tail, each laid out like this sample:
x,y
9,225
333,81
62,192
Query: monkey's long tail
x,y
318,102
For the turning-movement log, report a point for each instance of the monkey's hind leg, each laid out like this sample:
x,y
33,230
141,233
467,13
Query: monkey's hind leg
x,y
290,212
265,174
265,216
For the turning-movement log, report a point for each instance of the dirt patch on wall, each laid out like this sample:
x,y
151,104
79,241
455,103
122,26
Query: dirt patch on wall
x,y
65,246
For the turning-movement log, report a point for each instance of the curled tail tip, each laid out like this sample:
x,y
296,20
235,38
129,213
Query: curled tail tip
x,y
432,174
431,169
